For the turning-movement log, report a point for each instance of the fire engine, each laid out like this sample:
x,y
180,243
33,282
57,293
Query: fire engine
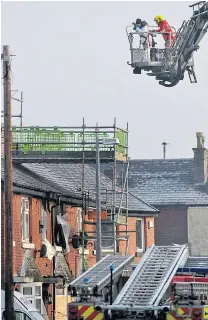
x,y
166,284
169,65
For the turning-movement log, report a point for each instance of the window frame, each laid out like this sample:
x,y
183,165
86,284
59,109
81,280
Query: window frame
x,y
25,211
79,220
33,297
109,243
142,232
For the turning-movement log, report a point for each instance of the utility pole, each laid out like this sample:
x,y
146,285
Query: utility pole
x,y
8,186
98,205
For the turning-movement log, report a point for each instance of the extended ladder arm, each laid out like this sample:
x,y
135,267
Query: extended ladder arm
x,y
187,41
150,280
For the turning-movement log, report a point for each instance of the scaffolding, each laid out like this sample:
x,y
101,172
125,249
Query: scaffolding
x,y
78,145
20,115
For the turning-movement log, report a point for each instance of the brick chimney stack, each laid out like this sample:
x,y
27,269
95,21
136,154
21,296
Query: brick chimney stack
x,y
200,160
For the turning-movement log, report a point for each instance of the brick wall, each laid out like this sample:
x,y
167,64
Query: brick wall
x,y
171,226
18,252
149,231
17,240
44,265
149,238
73,257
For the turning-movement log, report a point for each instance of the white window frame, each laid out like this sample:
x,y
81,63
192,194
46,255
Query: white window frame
x,y
79,220
142,227
25,210
33,297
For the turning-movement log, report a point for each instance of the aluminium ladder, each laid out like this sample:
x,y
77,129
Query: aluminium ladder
x,y
152,276
99,275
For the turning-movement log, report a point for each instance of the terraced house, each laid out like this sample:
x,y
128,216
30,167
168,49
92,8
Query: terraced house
x,y
48,214
179,189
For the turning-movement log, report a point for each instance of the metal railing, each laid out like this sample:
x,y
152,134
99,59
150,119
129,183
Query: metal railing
x,y
46,139
141,49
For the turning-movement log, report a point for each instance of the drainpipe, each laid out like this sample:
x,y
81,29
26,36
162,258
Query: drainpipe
x,y
145,234
111,285
53,260
53,215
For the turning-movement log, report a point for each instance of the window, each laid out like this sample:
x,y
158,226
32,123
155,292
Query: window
x,y
25,219
140,234
44,222
33,293
27,291
107,231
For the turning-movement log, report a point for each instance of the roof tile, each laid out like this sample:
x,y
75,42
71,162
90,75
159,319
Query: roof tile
x,y
166,182
68,176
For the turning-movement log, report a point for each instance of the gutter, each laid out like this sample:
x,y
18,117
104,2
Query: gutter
x,y
21,190
48,195
143,214
178,205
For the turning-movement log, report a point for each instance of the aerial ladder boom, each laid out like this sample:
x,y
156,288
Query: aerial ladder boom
x,y
149,281
168,65
180,57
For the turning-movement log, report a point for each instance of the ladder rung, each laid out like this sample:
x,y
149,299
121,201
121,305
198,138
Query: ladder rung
x,y
150,276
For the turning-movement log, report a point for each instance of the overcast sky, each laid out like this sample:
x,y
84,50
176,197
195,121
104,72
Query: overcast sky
x,y
71,62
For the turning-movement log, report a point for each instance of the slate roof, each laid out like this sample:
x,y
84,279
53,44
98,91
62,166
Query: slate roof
x,y
26,179
62,268
22,179
65,179
29,267
69,178
166,182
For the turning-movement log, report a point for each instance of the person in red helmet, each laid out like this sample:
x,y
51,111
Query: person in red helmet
x,y
164,26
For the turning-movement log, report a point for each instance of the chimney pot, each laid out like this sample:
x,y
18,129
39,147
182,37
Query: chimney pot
x,y
200,140
200,160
